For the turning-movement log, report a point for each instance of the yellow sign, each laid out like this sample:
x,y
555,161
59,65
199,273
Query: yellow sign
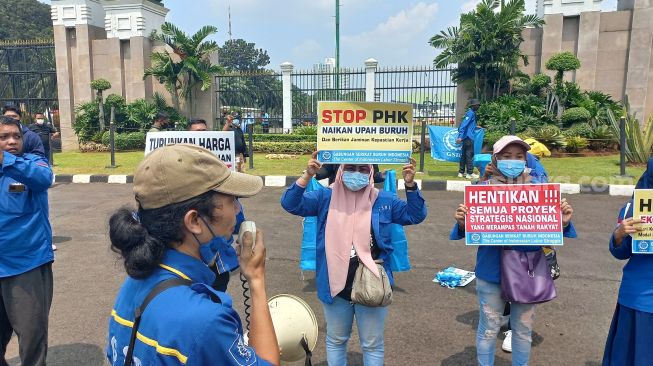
x,y
364,132
643,210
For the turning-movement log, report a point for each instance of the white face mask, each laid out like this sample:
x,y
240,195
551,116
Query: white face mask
x,y
40,121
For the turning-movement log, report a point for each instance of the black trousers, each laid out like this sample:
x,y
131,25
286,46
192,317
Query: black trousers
x,y
25,301
467,157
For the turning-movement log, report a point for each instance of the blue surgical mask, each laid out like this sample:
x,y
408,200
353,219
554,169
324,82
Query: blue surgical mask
x,y
219,249
511,168
355,181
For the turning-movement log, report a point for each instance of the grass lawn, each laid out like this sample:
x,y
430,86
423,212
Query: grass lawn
x,y
597,169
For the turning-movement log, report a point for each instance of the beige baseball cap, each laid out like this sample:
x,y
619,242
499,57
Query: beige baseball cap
x,y
176,173
509,140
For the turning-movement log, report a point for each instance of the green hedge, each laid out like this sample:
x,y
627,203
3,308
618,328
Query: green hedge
x,y
126,141
282,138
285,147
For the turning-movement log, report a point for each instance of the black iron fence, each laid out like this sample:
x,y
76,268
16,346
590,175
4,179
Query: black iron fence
x,y
431,92
28,75
255,97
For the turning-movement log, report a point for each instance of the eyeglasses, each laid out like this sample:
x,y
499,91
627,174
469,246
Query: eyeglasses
x,y
357,168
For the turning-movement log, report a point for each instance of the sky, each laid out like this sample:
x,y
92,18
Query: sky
x,y
302,32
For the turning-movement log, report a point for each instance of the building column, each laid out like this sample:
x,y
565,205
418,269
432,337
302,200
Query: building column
x,y
370,79
551,39
640,69
588,48
141,53
286,72
65,88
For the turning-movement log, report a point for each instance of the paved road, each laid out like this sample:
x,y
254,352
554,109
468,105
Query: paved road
x,y
427,324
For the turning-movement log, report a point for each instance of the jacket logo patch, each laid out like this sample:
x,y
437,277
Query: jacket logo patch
x,y
241,353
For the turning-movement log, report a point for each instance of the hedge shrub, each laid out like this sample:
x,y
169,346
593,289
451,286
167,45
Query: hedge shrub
x,y
126,141
575,115
285,147
576,144
283,138
579,129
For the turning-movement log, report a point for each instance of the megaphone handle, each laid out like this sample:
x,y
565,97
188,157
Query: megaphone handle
x,y
309,354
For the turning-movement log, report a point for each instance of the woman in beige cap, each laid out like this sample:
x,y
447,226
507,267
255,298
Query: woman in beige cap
x,y
186,207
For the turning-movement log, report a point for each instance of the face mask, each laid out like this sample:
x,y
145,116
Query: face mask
x,y
355,181
220,251
511,168
40,121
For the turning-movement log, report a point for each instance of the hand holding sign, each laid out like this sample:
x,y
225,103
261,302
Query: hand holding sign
x,y
627,227
567,211
313,165
460,214
409,172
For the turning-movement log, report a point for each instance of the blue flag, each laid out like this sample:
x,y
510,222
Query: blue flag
x,y
399,260
307,261
444,146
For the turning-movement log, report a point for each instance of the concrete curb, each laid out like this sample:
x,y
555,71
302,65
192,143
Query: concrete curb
x,y
426,185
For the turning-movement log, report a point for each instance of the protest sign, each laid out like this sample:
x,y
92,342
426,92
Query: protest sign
x,y
220,143
364,133
519,214
643,210
444,146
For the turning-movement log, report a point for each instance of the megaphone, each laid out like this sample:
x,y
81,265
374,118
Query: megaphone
x,y
295,326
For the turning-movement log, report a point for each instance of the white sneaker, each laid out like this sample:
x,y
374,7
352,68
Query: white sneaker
x,y
473,176
460,175
54,247
507,342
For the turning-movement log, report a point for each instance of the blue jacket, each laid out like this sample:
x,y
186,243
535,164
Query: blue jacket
x,y
388,209
32,143
636,291
467,126
488,258
25,232
537,169
182,325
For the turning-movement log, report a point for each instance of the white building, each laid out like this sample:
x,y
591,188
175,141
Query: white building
x,y
566,7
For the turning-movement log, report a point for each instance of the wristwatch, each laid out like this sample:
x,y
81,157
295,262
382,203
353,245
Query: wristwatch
x,y
409,188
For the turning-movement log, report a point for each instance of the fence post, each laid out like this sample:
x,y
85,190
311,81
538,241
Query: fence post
x,y
112,140
286,71
370,79
622,146
250,132
513,125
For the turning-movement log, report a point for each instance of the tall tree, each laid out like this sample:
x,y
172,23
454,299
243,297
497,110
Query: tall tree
x,y
240,55
190,68
24,19
485,46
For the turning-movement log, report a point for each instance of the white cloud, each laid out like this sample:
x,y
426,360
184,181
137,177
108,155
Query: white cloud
x,y
395,40
310,49
469,6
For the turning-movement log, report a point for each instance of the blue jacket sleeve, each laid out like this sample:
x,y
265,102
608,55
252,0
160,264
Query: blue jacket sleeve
x,y
569,231
31,170
456,232
298,202
409,212
624,251
222,343
464,125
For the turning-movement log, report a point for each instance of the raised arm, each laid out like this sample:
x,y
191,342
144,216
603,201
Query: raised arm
x,y
621,241
296,200
30,170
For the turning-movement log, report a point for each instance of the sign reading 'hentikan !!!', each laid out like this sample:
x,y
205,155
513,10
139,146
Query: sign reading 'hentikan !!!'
x,y
364,132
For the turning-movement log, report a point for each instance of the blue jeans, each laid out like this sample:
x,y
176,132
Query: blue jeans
x,y
339,318
490,319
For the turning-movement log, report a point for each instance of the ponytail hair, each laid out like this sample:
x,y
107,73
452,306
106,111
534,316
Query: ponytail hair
x,y
142,238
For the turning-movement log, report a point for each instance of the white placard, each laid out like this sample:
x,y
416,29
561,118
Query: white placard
x,y
220,143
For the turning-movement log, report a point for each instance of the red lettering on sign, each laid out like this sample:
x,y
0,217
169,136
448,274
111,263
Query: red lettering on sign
x,y
343,116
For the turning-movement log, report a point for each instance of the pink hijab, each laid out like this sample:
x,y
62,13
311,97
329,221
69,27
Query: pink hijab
x,y
348,223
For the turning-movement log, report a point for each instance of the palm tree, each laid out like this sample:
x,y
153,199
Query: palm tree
x,y
194,67
486,46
